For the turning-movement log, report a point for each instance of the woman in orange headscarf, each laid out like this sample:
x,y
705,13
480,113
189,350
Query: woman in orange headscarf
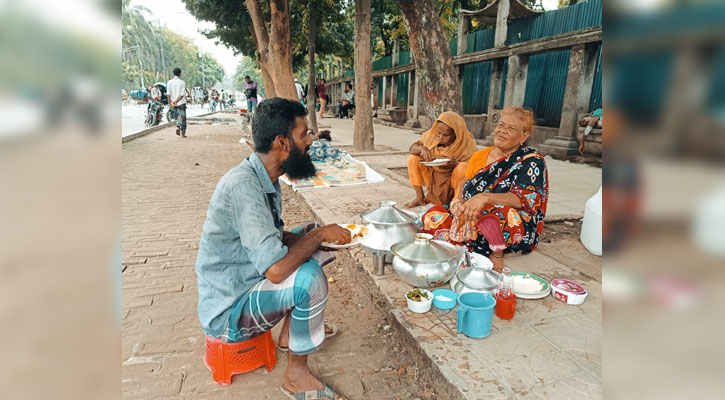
x,y
447,138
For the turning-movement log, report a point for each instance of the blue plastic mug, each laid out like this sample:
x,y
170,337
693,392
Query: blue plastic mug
x,y
475,311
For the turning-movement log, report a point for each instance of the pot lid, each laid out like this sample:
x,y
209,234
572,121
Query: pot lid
x,y
424,249
387,214
480,275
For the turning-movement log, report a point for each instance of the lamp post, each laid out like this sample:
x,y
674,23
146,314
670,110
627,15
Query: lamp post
x,y
201,61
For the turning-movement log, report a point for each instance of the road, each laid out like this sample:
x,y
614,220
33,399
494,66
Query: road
x,y
133,117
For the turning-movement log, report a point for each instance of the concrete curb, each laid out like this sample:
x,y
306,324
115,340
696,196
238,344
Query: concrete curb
x,y
156,128
146,131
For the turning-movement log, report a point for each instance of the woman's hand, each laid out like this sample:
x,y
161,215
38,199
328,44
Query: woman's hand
x,y
471,209
425,154
451,164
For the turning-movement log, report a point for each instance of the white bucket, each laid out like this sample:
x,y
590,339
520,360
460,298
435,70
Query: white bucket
x,y
591,234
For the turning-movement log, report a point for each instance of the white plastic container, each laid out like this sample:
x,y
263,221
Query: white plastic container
x,y
591,234
420,306
568,291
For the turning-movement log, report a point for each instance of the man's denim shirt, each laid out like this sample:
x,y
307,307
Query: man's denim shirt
x,y
241,239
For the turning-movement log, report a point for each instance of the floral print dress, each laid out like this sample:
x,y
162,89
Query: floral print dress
x,y
524,174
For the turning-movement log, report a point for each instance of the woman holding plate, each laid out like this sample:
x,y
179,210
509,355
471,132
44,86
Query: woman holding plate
x,y
448,140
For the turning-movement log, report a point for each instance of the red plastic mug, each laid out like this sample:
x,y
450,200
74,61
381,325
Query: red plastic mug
x,y
505,308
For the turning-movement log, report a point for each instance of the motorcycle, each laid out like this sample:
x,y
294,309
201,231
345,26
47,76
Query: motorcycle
x,y
230,102
171,115
153,113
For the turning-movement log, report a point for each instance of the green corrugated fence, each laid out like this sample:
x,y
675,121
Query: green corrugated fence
x,y
546,79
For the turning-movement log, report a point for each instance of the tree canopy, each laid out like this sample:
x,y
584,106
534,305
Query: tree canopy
x,y
234,27
152,52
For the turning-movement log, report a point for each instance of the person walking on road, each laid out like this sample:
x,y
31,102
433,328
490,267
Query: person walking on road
x,y
250,91
177,101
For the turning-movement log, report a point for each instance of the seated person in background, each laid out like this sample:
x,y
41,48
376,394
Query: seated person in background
x,y
502,205
447,138
324,135
590,121
347,103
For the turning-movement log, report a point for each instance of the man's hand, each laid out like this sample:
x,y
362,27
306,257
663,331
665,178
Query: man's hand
x,y
334,233
471,209
425,154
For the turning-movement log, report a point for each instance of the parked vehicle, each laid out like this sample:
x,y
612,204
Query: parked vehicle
x,y
140,96
153,113
171,115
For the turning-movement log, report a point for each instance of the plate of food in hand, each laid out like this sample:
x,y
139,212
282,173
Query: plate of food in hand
x,y
358,233
437,162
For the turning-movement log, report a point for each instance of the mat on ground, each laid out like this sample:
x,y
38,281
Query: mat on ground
x,y
344,171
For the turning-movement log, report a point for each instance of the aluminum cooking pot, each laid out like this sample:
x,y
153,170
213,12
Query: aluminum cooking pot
x,y
424,262
388,226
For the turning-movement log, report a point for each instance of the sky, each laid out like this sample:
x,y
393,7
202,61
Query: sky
x,y
174,15
549,4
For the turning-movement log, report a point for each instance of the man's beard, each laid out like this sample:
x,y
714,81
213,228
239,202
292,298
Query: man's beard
x,y
298,165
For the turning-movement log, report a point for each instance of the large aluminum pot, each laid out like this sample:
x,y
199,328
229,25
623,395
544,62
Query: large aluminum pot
x,y
424,262
388,226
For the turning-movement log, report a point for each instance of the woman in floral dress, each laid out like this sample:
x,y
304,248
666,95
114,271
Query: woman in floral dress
x,y
503,203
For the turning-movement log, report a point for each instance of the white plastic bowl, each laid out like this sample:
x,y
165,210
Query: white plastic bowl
x,y
420,306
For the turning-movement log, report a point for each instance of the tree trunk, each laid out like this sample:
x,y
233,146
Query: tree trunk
x,y
275,48
438,80
311,79
268,83
364,137
280,53
266,77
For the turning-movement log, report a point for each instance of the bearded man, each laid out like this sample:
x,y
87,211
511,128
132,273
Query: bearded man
x,y
251,272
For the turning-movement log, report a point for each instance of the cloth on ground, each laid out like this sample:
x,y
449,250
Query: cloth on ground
x,y
345,171
323,150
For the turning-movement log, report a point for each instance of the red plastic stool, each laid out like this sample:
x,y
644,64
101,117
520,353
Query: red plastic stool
x,y
227,359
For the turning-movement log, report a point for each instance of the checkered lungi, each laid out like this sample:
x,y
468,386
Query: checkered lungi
x,y
266,304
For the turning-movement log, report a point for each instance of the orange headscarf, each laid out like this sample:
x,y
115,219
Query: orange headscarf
x,y
461,150
462,147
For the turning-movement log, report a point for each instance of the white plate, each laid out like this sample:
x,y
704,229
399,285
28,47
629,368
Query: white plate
x,y
528,295
534,296
354,230
436,163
